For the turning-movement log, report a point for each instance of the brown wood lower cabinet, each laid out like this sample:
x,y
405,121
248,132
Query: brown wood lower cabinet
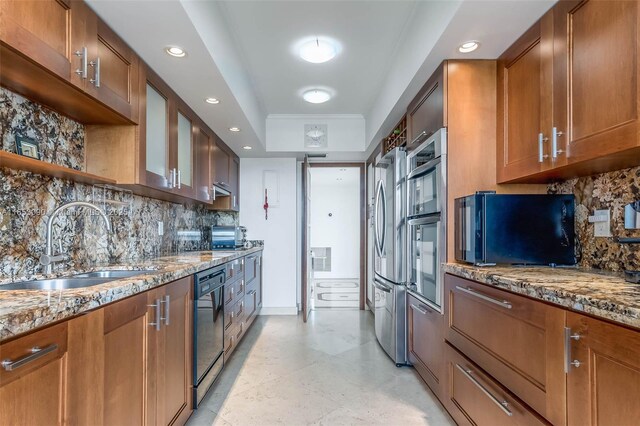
x,y
474,398
33,385
111,366
426,343
516,340
603,378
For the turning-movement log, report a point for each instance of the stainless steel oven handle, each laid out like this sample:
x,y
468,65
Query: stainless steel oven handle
x,y
472,292
381,286
424,169
501,404
424,220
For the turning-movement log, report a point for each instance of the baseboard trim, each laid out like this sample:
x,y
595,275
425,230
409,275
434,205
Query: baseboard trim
x,y
278,311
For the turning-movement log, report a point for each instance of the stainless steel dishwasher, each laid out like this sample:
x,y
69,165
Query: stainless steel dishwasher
x,y
208,330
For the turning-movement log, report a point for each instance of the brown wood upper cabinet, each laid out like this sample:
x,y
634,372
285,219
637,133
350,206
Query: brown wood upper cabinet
x,y
524,103
226,177
427,112
603,379
583,55
67,39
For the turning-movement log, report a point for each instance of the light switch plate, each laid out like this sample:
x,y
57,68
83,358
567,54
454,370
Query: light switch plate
x,y
160,228
602,229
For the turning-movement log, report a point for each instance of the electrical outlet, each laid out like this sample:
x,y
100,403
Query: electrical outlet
x,y
160,228
601,220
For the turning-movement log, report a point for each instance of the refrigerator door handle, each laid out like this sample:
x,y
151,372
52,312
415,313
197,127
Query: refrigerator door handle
x,y
380,239
381,286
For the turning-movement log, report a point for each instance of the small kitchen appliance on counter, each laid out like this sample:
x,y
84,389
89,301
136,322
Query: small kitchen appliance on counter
x,y
513,229
228,237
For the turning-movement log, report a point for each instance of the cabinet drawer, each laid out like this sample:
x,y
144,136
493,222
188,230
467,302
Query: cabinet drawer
x,y
20,357
233,291
516,340
426,342
474,398
235,270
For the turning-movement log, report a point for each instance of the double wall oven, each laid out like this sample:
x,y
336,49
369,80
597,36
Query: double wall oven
x,y
426,218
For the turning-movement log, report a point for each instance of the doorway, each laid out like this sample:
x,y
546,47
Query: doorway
x,y
334,240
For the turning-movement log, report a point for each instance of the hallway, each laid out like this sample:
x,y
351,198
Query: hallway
x,y
330,371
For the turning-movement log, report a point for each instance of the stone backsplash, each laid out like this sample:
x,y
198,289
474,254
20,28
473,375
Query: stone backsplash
x,y
612,191
27,199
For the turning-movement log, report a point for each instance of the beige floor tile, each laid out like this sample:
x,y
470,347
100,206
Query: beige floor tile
x,y
329,371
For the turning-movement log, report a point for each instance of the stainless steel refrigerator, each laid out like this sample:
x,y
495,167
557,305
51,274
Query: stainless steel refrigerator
x,y
390,254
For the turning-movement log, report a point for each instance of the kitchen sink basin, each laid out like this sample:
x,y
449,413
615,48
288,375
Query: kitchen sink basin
x,y
112,274
55,284
77,281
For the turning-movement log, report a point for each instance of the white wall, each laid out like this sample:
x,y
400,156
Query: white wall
x,y
285,133
279,232
341,230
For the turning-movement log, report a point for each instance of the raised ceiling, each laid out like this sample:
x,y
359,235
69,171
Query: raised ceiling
x,y
242,53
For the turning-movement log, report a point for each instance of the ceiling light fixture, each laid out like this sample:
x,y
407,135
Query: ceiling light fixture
x,y
234,129
468,46
317,51
316,96
212,101
175,51
247,147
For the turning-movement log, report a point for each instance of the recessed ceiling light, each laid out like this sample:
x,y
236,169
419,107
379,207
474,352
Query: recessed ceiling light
x,y
213,101
234,129
317,51
316,96
247,147
468,46
176,51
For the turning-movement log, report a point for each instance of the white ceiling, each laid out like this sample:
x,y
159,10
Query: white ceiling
x,y
241,52
368,33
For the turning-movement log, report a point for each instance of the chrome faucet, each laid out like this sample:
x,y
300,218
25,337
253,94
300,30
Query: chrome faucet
x,y
48,258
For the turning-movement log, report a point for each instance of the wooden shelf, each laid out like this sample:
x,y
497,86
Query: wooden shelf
x,y
19,162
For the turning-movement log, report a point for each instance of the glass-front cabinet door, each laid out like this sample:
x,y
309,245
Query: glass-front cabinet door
x,y
424,254
184,158
157,139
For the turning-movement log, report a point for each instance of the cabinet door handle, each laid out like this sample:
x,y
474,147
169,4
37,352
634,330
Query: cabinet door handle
x,y
541,140
234,201
252,292
167,308
568,336
213,191
157,323
82,54
418,308
96,73
221,183
501,404
555,134
472,292
36,353
179,179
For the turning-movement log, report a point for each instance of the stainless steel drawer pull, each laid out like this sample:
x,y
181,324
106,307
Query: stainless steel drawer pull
x,y
472,292
501,404
419,309
252,292
567,350
167,308
158,321
36,353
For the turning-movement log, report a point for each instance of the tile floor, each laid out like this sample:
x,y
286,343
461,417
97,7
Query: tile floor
x,y
330,371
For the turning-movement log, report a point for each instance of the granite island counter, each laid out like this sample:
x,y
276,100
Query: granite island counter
x,y
22,311
601,294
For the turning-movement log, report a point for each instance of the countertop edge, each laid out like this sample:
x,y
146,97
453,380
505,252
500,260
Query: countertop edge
x,y
551,293
20,321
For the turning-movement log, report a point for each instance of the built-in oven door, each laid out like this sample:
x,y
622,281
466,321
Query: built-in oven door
x,y
425,176
426,253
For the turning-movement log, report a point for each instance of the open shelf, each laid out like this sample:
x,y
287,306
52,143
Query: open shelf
x,y
20,162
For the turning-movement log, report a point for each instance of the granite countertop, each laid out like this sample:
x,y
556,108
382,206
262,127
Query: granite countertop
x,y
605,295
24,310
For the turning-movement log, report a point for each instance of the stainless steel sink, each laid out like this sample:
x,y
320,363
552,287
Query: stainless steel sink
x,y
77,281
116,274
55,284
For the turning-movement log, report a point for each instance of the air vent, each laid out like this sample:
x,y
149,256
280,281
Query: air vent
x,y
315,136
